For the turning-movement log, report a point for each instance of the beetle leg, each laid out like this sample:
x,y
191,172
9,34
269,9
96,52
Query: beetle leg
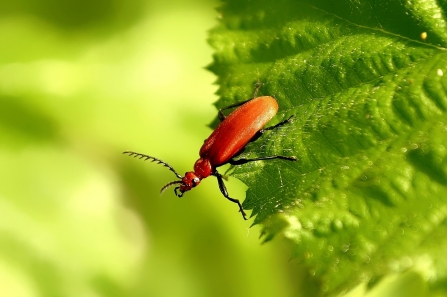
x,y
277,125
223,190
243,161
258,85
262,131
257,135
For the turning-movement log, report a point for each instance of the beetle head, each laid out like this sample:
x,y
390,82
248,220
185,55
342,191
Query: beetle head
x,y
189,181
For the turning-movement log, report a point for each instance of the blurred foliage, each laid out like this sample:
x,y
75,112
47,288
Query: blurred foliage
x,y
80,82
72,15
367,198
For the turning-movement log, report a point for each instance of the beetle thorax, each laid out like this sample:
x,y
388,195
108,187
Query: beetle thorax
x,y
203,168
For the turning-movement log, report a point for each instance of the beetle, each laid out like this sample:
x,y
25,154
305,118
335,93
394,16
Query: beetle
x,y
243,125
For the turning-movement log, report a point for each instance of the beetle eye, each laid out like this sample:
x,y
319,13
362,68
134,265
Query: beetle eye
x,y
195,182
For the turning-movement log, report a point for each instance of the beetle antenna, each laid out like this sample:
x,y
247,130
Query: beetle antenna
x,y
152,159
169,185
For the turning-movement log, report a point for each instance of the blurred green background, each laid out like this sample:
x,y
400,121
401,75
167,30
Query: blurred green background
x,y
81,81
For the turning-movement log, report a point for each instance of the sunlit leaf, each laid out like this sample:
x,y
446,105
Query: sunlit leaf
x,y
368,194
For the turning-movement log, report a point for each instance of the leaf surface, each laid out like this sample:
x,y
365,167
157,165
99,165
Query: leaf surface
x,y
368,194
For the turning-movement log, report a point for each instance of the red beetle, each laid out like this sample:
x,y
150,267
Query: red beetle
x,y
234,132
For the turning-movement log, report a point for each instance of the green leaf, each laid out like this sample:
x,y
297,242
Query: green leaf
x,y
368,194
